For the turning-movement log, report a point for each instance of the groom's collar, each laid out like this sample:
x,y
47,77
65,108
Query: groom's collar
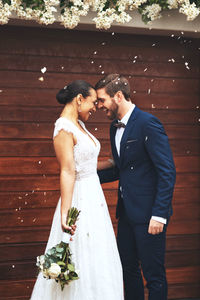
x,y
127,115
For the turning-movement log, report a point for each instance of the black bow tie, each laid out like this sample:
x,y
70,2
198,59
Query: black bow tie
x,y
119,125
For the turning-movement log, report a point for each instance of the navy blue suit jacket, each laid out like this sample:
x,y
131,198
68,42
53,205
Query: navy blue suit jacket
x,y
145,168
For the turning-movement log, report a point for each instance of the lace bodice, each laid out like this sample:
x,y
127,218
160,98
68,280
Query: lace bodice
x,y
86,150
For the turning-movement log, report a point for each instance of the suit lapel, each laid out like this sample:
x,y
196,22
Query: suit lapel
x,y
128,129
113,145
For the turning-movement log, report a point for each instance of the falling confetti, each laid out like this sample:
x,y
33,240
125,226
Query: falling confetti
x,y
26,194
45,193
134,92
1,91
92,62
153,106
153,45
152,80
13,266
188,151
41,78
167,107
172,35
19,197
34,220
103,44
100,66
146,138
145,70
95,52
197,107
135,56
113,33
95,129
62,67
172,60
39,162
25,202
43,70
134,61
102,72
149,91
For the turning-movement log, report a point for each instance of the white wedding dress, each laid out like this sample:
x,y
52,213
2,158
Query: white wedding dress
x,y
94,245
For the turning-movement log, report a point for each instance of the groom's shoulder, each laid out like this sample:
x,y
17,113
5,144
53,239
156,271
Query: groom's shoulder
x,y
145,116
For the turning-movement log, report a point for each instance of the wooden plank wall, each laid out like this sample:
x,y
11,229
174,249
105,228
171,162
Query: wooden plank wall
x,y
29,183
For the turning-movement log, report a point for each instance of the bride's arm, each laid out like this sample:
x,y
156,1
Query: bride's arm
x,y
63,145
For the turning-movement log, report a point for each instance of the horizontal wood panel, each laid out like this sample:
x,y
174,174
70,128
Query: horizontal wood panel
x,y
43,114
24,288
23,217
51,182
107,46
23,252
47,97
58,80
49,165
30,148
14,200
25,270
45,131
77,65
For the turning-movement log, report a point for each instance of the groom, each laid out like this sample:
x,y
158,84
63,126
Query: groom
x,y
143,164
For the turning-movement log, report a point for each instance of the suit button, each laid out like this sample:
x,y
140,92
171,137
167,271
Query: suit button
x,y
132,168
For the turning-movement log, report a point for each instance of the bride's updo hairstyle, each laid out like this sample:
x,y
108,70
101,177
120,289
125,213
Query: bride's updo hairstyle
x,y
70,91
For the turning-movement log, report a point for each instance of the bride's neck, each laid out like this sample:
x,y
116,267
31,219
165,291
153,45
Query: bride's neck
x,y
70,112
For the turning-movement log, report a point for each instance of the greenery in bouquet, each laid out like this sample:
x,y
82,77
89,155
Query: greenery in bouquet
x,y
57,263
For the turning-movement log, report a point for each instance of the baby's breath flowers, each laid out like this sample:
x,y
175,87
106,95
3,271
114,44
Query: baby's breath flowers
x,y
108,11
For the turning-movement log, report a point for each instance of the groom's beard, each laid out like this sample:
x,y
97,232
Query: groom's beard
x,y
112,112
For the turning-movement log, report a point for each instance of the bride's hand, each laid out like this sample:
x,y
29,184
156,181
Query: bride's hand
x,y
72,228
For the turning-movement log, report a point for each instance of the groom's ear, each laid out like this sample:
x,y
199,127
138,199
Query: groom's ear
x,y
118,97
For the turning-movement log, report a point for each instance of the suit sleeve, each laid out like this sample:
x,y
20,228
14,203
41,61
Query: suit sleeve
x,y
158,148
108,175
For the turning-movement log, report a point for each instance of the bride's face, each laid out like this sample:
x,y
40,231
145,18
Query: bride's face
x,y
88,105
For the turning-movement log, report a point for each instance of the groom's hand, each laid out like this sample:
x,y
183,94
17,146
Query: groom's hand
x,y
155,227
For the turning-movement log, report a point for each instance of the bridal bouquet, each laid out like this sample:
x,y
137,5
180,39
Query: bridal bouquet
x,y
57,263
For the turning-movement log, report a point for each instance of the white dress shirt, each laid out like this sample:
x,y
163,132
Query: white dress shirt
x,y
118,137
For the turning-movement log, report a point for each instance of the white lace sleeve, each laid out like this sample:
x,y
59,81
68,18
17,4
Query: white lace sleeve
x,y
63,124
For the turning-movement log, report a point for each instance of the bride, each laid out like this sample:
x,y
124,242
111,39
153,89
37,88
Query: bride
x,y
94,247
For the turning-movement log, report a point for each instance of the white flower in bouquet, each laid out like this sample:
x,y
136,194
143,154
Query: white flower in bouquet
x,y
40,261
190,10
123,17
172,4
135,4
152,11
54,270
5,13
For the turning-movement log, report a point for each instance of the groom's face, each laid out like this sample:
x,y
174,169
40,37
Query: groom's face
x,y
107,103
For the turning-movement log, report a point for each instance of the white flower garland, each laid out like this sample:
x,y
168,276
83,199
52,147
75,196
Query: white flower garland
x,y
108,11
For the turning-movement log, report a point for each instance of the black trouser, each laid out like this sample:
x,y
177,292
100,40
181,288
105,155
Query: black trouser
x,y
139,248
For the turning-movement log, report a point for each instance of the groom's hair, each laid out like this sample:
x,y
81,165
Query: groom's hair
x,y
114,83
